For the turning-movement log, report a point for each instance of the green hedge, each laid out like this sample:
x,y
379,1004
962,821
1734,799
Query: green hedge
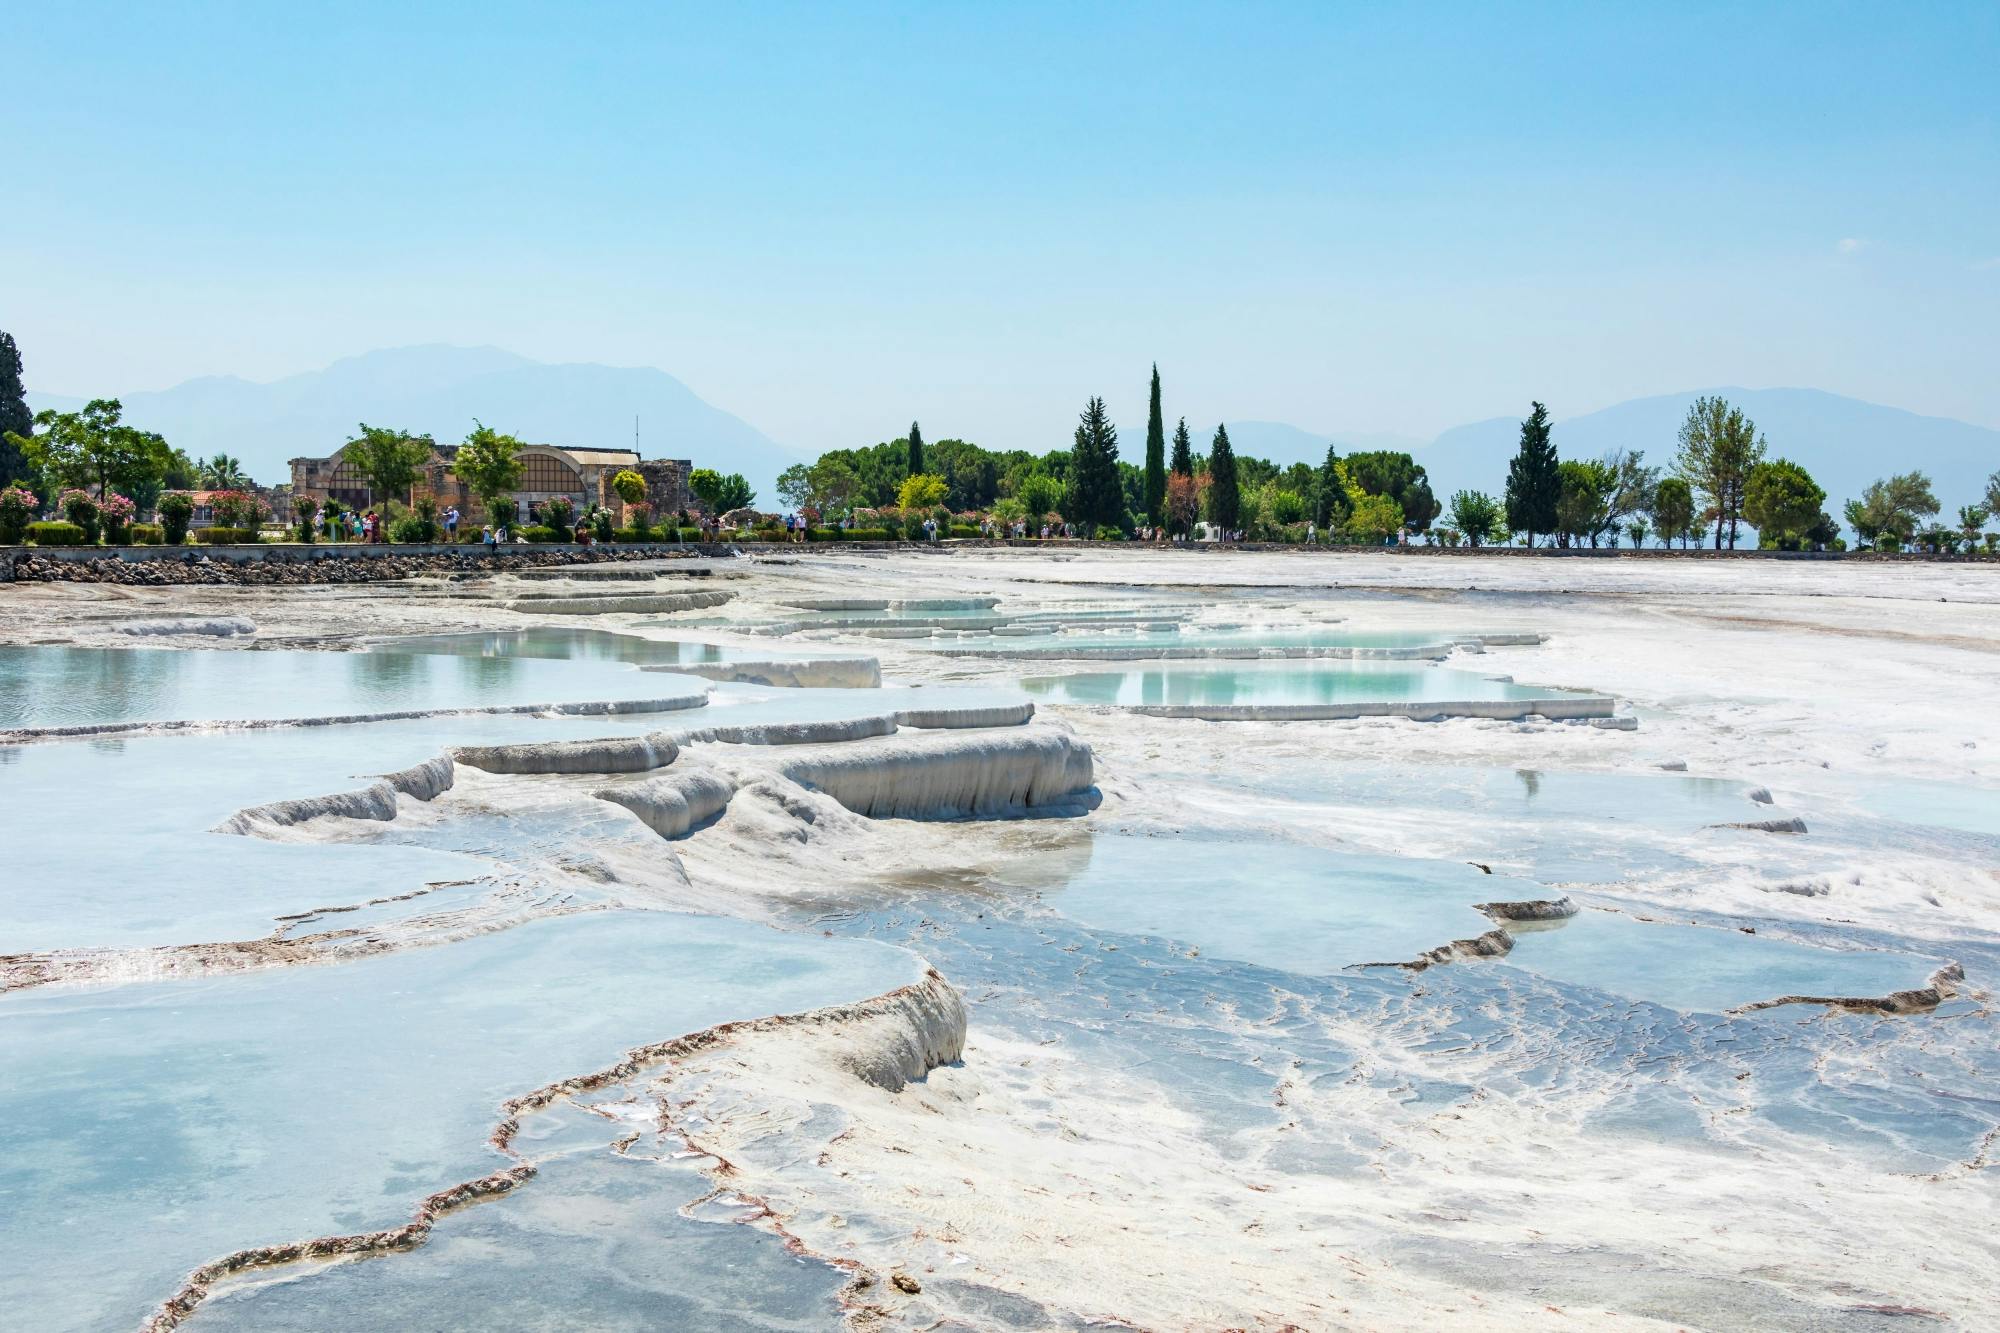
x,y
56,533
145,534
226,536
850,535
538,533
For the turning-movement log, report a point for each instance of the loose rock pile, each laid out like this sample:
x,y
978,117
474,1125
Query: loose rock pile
x,y
194,567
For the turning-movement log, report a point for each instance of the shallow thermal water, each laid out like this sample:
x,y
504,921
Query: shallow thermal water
x,y
64,687
1275,684
146,1129
1211,964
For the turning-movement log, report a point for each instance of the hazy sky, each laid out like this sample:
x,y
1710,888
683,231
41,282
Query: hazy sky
x,y
832,218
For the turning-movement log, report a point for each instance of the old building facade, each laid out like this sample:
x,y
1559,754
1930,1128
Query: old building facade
x,y
583,476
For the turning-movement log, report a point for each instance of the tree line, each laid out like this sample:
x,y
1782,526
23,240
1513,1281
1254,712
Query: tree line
x,y
1722,476
1366,496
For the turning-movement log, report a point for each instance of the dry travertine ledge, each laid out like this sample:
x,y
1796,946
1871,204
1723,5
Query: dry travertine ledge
x,y
1942,985
649,603
886,1042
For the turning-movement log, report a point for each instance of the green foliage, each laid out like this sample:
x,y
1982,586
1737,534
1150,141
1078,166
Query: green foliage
x,y
1782,502
1155,492
1583,500
1533,485
718,493
921,492
1719,447
16,422
542,533
1376,518
489,463
389,459
175,509
18,504
1183,455
915,440
330,527
1041,495
1094,496
145,534
1672,509
1401,478
1331,503
1225,498
57,533
303,508
1892,508
220,536
629,486
93,447
557,513
221,472
1479,517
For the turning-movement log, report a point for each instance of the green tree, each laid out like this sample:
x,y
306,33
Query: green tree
x,y
706,485
1583,500
222,472
16,421
629,486
1331,503
1041,495
1479,516
1095,497
921,491
1719,447
489,463
1672,509
1225,499
1183,457
1993,494
1892,508
1376,518
1632,486
93,447
1533,486
1401,478
1782,502
1971,518
390,459
916,442
1156,457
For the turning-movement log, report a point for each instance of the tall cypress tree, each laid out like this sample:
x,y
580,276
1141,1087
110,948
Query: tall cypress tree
x,y
1095,497
1156,458
1183,451
1225,501
916,450
1533,483
1331,504
14,414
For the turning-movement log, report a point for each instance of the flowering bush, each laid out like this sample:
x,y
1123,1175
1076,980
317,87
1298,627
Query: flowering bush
x,y
175,511
18,504
80,508
558,513
116,510
235,509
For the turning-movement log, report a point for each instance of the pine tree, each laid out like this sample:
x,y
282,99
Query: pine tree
x,y
1183,462
1225,501
15,418
1156,458
1533,484
1095,497
1331,504
916,450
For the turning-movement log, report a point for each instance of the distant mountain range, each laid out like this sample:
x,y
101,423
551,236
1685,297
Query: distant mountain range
x,y
1844,442
439,390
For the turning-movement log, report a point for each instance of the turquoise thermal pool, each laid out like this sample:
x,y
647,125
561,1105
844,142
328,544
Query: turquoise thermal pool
x,y
1328,689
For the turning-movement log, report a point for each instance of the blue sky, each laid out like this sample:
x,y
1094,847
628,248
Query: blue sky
x,y
833,218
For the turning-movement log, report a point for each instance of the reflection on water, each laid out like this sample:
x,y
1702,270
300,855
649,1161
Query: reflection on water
x,y
64,686
1275,684
572,645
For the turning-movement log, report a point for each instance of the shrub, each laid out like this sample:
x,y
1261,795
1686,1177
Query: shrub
x,y
18,504
303,508
80,509
557,514
236,510
56,533
964,530
540,532
116,512
145,534
409,529
629,486
219,536
630,535
175,510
